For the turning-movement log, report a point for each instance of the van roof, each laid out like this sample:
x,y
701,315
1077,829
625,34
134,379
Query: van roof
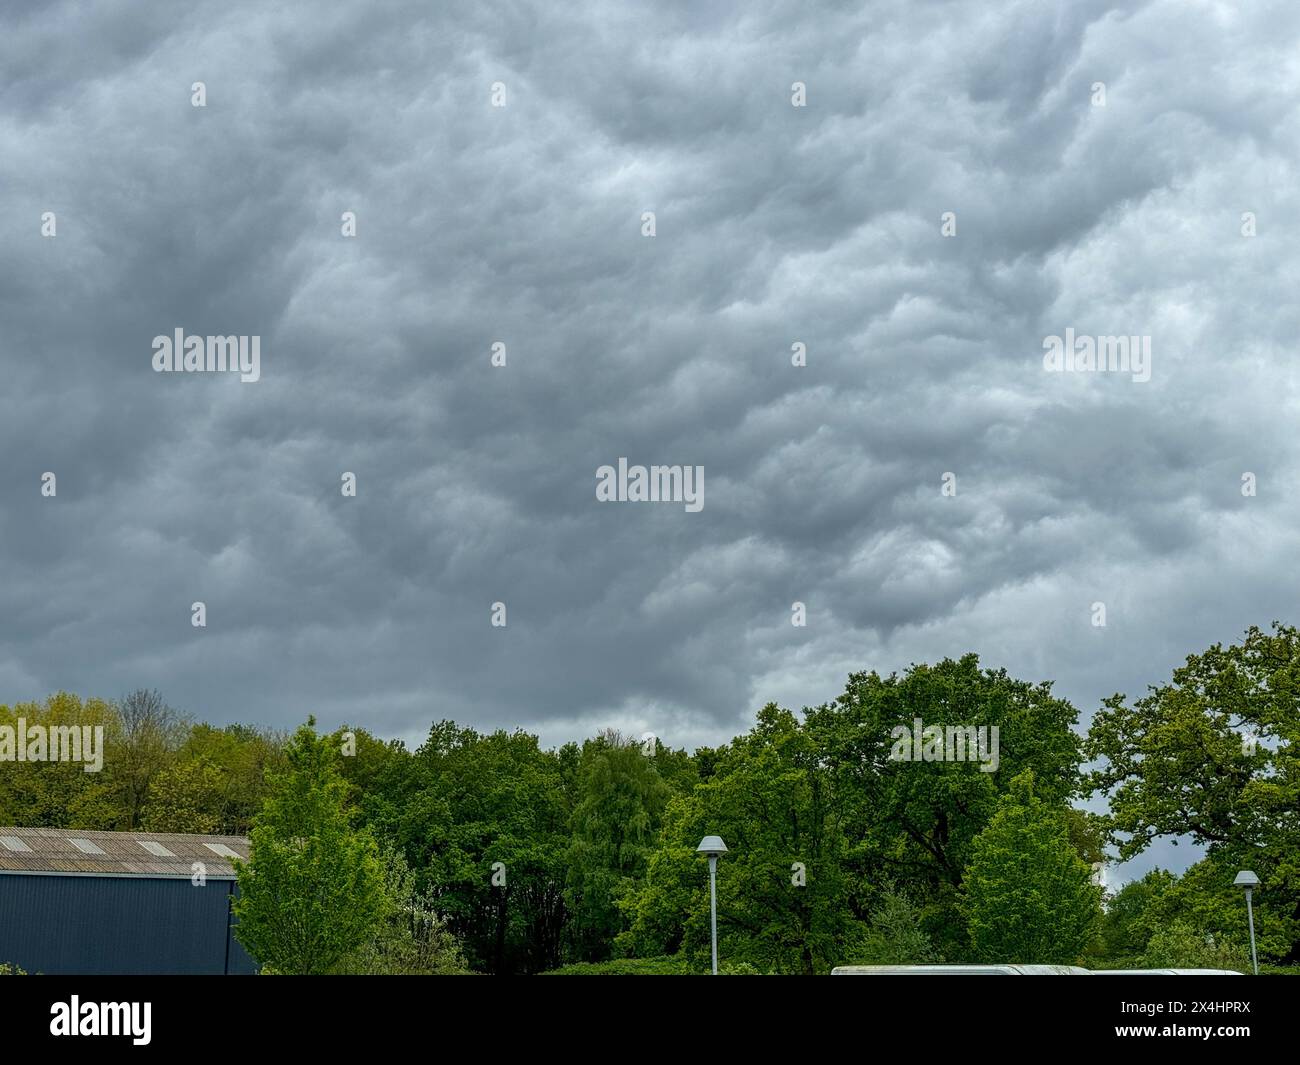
x,y
958,970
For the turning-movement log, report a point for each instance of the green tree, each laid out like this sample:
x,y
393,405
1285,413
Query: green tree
x,y
380,775
1215,756
47,794
668,896
1179,946
185,796
915,822
413,940
1027,895
247,758
896,935
313,889
620,802
484,824
679,770
1133,915
1205,900
783,890
151,732
1087,833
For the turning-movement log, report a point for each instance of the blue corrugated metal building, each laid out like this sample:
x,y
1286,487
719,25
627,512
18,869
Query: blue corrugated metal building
x,y
118,903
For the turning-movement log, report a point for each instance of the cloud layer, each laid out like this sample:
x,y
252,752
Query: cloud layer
x,y
522,224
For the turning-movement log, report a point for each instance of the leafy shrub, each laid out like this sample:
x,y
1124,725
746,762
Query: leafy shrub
x,y
413,939
661,966
1181,947
896,935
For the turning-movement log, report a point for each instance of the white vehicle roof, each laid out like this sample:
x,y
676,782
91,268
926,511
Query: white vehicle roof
x,y
1166,972
1015,970
958,970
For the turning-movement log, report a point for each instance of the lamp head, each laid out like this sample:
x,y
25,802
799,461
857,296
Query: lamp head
x,y
712,846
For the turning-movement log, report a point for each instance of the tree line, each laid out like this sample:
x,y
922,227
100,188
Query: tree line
x,y
486,852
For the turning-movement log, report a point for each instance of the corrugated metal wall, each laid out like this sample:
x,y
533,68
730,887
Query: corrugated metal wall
x,y
92,925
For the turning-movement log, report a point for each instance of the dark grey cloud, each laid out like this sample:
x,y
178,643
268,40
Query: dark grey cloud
x,y
521,224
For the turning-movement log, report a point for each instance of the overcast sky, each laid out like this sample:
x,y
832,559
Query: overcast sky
x,y
523,224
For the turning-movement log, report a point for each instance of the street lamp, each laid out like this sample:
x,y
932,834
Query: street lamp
x,y
713,847
1248,880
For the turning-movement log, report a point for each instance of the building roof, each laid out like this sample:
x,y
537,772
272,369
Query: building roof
x,y
77,852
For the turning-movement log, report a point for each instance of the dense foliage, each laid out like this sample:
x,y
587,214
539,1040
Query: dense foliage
x,y
490,853
314,889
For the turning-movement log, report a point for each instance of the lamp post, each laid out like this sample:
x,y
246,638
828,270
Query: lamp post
x,y
713,847
1248,880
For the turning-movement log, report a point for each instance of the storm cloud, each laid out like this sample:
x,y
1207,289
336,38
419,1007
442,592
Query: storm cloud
x,y
522,224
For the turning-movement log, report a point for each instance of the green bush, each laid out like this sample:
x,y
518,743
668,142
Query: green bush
x,y
1181,947
895,935
413,939
662,966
